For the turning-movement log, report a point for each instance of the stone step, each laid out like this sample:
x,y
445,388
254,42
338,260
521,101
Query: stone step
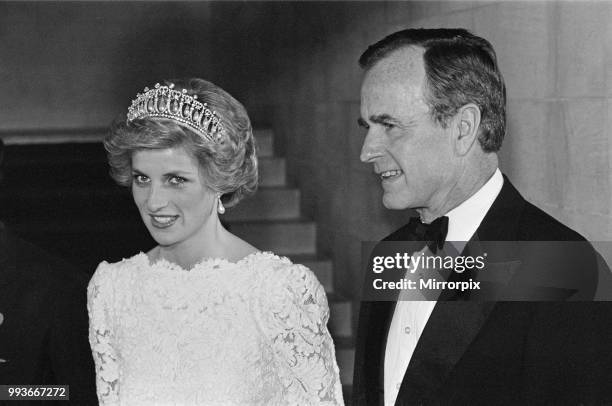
x,y
340,317
264,139
272,172
345,356
282,238
347,393
267,204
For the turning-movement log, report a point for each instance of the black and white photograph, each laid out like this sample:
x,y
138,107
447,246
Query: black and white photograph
x,y
306,202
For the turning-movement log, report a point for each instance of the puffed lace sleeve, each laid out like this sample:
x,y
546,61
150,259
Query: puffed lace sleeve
x,y
295,320
100,296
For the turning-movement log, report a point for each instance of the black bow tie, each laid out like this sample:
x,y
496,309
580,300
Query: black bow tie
x,y
433,234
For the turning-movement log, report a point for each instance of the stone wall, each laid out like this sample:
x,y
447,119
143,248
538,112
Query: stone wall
x,y
557,61
72,65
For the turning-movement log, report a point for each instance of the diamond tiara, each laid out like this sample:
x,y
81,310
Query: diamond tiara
x,y
165,102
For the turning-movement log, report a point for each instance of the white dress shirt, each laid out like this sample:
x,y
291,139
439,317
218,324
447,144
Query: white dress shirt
x,y
410,317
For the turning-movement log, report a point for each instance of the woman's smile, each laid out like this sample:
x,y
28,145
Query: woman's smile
x,y
163,221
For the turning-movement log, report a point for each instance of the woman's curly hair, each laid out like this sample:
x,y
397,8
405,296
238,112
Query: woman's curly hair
x,y
229,166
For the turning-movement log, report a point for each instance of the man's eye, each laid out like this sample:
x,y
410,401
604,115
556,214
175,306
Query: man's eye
x,y
177,180
140,179
388,126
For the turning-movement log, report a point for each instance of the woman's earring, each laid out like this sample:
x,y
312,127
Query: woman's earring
x,y
220,208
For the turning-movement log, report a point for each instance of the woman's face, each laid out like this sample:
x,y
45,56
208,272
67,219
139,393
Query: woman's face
x,y
171,195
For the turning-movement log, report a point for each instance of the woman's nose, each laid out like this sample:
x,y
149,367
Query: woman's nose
x,y
157,199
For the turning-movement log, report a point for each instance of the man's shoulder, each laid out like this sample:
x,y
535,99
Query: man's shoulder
x,y
535,224
551,252
512,218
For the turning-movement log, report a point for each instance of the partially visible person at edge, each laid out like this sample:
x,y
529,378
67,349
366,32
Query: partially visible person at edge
x,y
43,320
203,318
433,108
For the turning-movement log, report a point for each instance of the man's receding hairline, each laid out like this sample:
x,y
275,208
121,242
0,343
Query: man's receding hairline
x,y
401,65
392,52
402,68
403,72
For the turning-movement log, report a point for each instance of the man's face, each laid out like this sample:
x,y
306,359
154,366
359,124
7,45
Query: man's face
x,y
412,154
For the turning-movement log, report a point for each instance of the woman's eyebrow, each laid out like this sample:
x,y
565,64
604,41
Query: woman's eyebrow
x,y
179,172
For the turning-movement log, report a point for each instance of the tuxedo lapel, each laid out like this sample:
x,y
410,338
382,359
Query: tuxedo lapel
x,y
452,327
502,220
455,322
501,263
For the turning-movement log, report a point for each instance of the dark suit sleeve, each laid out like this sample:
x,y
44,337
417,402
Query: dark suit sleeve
x,y
569,349
70,355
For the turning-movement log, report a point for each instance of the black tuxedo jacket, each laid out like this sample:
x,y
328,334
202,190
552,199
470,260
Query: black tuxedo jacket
x,y
44,324
502,352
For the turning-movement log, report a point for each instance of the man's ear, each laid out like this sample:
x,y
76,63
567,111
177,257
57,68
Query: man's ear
x,y
467,125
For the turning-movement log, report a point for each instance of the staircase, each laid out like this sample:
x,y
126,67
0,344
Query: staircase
x,y
60,197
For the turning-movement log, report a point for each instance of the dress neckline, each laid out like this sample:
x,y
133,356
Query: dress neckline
x,y
208,262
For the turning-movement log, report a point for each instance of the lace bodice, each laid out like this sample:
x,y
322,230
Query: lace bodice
x,y
252,332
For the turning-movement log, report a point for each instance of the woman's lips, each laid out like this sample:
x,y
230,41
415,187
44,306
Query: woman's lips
x,y
163,221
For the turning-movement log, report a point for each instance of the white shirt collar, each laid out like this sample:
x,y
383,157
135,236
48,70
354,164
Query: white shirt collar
x,y
463,220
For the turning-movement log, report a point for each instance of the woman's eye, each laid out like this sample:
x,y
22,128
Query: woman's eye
x,y
177,180
140,179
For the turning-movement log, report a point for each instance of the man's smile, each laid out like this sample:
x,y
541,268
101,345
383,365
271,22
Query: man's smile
x,y
386,175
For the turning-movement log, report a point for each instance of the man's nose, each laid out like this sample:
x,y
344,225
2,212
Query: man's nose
x,y
371,148
157,198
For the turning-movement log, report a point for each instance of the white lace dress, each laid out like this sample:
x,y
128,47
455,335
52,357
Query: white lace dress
x,y
246,333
